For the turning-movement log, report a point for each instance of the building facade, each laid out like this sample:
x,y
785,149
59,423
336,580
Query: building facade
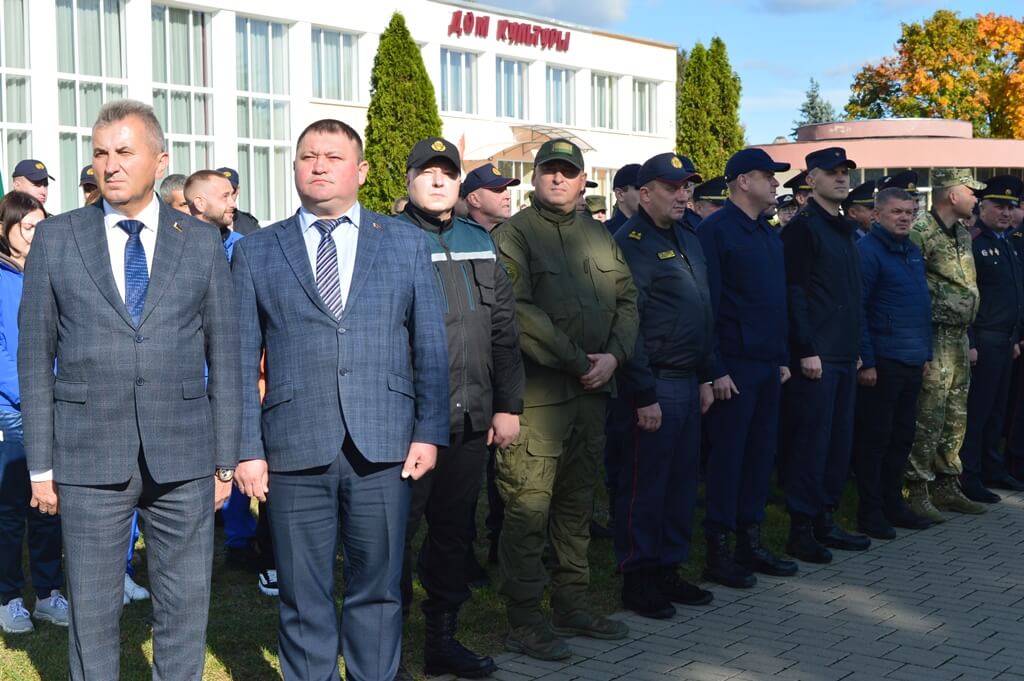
x,y
235,81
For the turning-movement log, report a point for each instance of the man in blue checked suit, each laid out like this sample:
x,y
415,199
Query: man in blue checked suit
x,y
344,303
132,300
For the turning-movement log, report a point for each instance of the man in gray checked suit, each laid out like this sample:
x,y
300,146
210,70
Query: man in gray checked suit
x,y
344,303
131,300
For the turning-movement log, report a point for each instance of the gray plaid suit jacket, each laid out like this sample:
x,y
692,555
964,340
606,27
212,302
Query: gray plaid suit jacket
x,y
379,374
118,388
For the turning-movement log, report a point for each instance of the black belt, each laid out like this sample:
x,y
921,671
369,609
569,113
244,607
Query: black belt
x,y
667,372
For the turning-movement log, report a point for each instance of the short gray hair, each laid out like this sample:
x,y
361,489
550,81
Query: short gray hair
x,y
171,184
120,109
893,194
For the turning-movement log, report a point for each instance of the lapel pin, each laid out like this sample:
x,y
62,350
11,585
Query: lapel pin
x,y
376,225
176,226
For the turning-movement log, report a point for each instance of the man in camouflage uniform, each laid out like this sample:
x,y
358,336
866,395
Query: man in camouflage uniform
x,y
576,305
934,463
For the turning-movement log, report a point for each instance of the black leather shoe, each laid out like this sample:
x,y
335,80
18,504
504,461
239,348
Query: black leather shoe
x,y
876,527
975,491
678,590
1007,482
720,566
802,545
443,654
834,537
752,554
641,594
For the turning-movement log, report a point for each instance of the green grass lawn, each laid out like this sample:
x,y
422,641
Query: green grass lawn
x,y
242,635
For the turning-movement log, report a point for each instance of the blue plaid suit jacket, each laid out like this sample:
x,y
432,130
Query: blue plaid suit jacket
x,y
379,374
117,387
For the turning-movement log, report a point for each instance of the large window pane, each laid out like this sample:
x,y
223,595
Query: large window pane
x,y
65,36
178,44
279,58
89,54
281,123
90,99
16,99
67,107
19,145
181,113
69,169
317,38
244,170
181,158
15,54
203,114
243,116
160,108
113,40
261,180
159,40
259,32
241,54
200,49
332,65
261,118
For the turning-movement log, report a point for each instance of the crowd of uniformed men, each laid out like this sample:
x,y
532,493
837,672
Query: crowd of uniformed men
x,y
708,331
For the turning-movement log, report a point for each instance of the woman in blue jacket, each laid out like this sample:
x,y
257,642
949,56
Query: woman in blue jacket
x,y
19,214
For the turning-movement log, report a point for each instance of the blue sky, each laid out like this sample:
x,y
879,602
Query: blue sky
x,y
775,46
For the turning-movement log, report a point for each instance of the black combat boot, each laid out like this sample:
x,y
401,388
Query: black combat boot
x,y
442,654
678,590
835,537
752,554
640,593
802,545
720,567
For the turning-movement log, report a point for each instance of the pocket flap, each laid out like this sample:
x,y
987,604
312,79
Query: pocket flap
x,y
540,447
66,391
277,395
193,389
401,384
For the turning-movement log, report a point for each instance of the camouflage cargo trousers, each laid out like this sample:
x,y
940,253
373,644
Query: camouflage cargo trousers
x,y
547,479
942,408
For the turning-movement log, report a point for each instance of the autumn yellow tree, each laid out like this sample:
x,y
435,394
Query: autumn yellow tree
x,y
950,67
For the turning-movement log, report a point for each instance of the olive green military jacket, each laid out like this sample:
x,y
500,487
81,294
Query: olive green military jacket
x,y
949,268
574,296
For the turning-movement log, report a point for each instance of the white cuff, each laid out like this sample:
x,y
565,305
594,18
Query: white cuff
x,y
41,476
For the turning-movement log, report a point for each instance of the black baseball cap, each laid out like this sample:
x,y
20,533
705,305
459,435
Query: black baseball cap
x,y
87,176
749,160
32,170
486,176
626,176
425,151
862,195
907,181
714,190
828,159
798,182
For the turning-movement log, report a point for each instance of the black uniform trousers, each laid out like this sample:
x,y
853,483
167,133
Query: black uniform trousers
x,y
821,416
446,497
980,454
886,421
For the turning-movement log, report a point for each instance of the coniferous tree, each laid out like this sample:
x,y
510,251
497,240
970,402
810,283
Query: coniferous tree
x,y
402,111
814,109
725,124
708,130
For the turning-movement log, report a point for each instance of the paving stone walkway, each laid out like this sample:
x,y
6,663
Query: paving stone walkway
x,y
942,604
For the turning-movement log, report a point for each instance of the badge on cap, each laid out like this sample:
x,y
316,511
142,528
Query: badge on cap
x,y
40,166
226,173
636,235
666,255
676,163
438,146
562,147
90,172
911,187
495,171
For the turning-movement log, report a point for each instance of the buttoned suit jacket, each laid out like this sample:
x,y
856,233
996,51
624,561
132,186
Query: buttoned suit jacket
x,y
115,387
379,374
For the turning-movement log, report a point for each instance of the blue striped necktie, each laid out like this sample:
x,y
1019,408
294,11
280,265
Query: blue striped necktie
x,y
136,275
327,279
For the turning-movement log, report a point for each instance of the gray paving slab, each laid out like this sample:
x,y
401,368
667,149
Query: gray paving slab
x,y
943,604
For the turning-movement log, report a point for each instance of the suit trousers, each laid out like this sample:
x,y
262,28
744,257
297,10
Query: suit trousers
x,y
369,504
886,422
658,483
742,436
980,455
179,543
446,496
821,417
547,478
15,513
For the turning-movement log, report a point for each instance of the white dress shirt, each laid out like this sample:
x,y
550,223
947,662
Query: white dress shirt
x,y
117,239
346,237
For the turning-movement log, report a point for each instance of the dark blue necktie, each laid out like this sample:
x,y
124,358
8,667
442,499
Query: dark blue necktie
x,y
136,276
327,279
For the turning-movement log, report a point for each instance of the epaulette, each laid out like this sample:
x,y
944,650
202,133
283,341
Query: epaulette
x,y
636,235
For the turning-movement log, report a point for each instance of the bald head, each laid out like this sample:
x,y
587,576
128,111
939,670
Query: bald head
x,y
211,198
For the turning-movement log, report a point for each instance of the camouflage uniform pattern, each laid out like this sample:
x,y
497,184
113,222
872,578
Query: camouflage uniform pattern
x,y
942,405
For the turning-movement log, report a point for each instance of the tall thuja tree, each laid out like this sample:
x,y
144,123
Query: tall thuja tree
x,y
694,110
725,116
403,110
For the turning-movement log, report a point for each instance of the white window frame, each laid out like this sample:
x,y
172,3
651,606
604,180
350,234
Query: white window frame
x,y
345,67
645,90
276,143
567,76
189,151
11,130
611,110
469,93
520,89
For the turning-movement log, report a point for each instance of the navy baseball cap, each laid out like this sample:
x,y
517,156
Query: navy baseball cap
x,y
828,158
749,160
231,174
626,176
87,176
425,151
785,201
668,167
486,176
31,169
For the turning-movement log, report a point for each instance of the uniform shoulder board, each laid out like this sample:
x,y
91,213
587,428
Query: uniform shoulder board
x,y
636,235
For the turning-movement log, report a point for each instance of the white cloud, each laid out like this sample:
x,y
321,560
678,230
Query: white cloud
x,y
589,13
800,6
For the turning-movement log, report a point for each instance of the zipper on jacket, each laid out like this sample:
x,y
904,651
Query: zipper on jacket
x,y
462,327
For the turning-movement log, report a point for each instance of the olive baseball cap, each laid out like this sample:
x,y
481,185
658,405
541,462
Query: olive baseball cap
x,y
559,150
953,177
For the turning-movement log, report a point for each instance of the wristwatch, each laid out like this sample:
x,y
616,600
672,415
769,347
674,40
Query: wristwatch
x,y
225,474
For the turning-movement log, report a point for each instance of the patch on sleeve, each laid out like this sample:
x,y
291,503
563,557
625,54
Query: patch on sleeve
x,y
510,270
